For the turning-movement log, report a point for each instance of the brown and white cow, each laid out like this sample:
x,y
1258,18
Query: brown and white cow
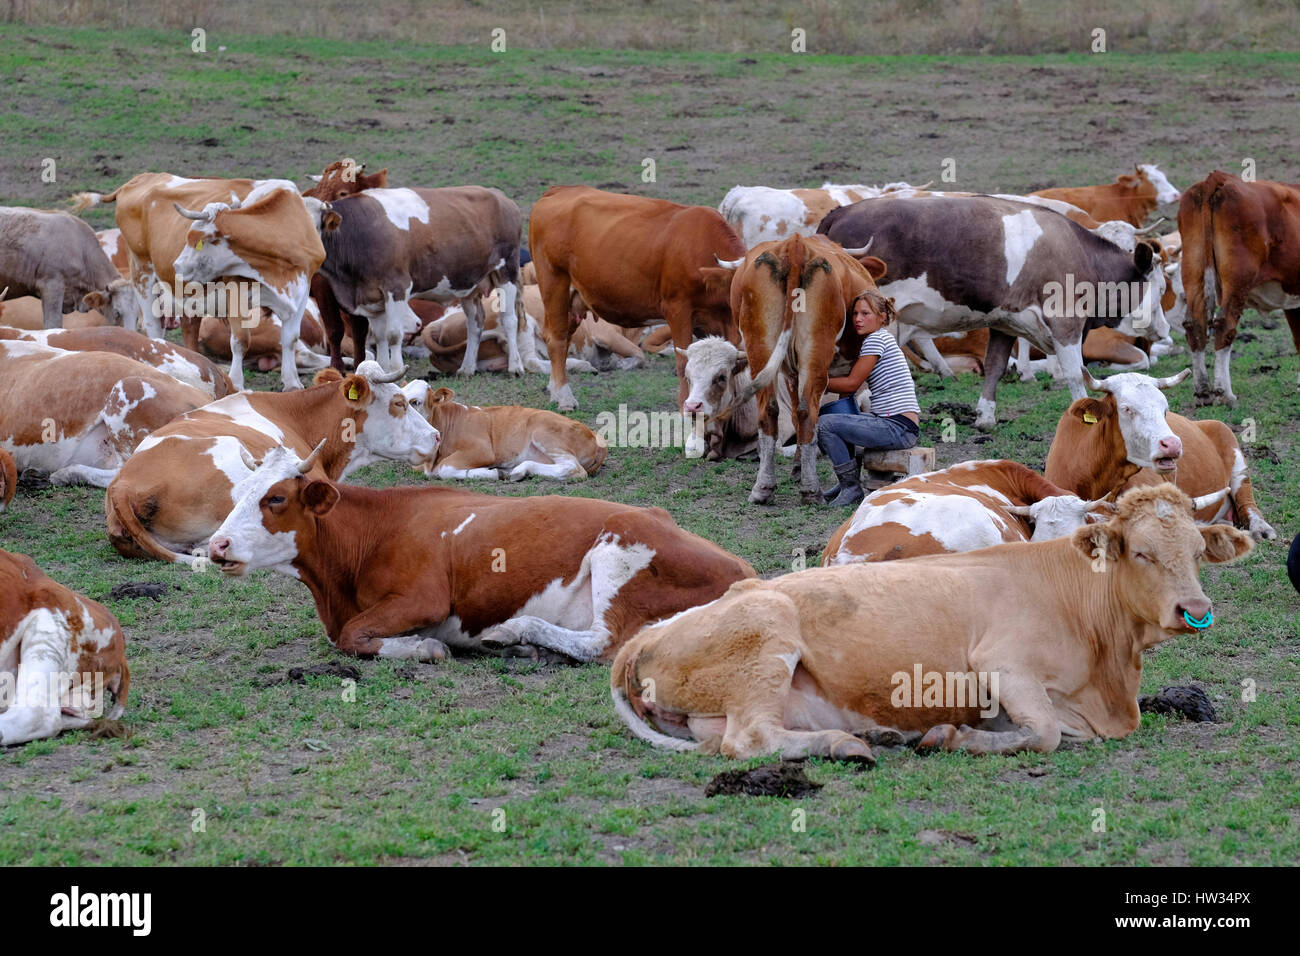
x,y
80,415
1241,249
56,257
386,246
61,656
188,368
254,237
8,478
504,441
1028,271
762,214
972,505
261,343
1132,197
726,422
633,261
1129,437
409,572
790,300
808,665
187,476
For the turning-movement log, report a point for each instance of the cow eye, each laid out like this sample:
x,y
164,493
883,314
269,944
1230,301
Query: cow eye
x,y
1127,409
274,501
1139,556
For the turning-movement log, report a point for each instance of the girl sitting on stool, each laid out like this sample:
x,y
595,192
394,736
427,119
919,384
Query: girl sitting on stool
x,y
894,419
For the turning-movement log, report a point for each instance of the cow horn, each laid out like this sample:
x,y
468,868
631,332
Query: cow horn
x,y
729,263
926,186
305,465
1103,500
1096,384
1021,511
1149,229
249,461
235,201
863,250
387,379
1170,381
4,293
1204,501
199,216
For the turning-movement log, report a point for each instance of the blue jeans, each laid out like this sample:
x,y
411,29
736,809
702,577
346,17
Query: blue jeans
x,y
836,433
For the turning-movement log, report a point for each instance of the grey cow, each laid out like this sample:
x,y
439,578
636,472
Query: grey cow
x,y
56,257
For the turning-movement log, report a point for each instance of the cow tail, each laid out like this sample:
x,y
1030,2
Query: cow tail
x,y
640,729
82,201
129,536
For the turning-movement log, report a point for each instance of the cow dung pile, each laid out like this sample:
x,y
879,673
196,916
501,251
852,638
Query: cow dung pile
x,y
1190,703
784,779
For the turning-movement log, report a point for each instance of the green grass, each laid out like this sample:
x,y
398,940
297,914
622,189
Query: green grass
x,y
414,768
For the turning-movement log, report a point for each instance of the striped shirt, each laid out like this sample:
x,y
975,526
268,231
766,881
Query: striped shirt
x,y
890,381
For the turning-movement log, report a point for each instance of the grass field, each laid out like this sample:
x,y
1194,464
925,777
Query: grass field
x,y
416,768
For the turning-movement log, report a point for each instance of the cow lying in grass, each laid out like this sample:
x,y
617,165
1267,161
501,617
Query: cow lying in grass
x,y
1047,638
505,441
59,652
409,572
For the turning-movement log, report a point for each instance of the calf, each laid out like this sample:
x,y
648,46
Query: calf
x,y
717,374
56,257
973,505
60,653
408,572
81,415
1129,437
506,441
169,502
1028,643
1241,249
1132,197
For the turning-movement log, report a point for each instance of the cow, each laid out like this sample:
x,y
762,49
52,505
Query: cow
x,y
409,572
972,505
762,214
79,416
8,478
386,246
181,231
188,368
960,351
61,656
261,343
505,441
1028,272
168,503
633,261
717,374
811,663
1129,437
56,257
1131,198
1241,249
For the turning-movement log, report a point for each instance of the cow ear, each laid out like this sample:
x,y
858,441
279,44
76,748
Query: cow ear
x,y
320,497
329,219
1090,411
741,363
875,266
93,300
443,394
356,390
716,278
1098,541
1224,543
1142,256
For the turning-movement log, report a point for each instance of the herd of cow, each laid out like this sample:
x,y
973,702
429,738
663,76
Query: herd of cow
x,y
1095,560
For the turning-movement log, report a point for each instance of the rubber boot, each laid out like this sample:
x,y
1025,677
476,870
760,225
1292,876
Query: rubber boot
x,y
850,489
834,489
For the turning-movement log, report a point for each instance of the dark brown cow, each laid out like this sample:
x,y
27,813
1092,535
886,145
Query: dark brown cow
x,y
634,261
1243,241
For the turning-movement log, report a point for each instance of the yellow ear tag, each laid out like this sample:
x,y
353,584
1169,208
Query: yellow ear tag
x,y
198,246
353,394
1089,418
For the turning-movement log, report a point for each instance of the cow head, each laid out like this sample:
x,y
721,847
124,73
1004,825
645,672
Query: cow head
x,y
344,177
392,429
1058,515
711,364
117,303
1164,189
1135,403
273,507
1153,549
1147,320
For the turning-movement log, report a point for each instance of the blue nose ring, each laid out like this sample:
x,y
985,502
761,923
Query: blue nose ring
x,y
1201,623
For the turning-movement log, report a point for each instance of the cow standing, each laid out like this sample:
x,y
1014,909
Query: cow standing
x,y
633,261
1131,198
1241,249
410,572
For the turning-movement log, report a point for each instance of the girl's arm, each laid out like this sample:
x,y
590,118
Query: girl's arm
x,y
849,384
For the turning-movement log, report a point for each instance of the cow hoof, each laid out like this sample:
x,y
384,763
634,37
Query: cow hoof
x,y
889,737
431,649
464,373
852,750
518,474
762,496
939,737
813,497
499,637
1260,529
985,424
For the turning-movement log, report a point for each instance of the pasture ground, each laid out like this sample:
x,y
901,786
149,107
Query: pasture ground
x,y
414,769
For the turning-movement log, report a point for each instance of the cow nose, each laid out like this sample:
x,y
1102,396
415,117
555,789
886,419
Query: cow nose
x,y
692,406
218,547
1196,609
1171,447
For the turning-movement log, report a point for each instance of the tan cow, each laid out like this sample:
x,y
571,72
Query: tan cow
x,y
61,654
8,478
505,441
261,343
1014,647
1129,437
188,368
185,478
408,572
80,415
1132,197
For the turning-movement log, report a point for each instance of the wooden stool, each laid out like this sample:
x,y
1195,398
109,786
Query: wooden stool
x,y
902,461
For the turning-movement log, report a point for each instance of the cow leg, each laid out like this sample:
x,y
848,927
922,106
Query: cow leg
x,y
512,320
84,475
290,329
236,358
190,330
995,363
1025,702
932,355
1070,358
562,468
1293,320
1243,493
805,402
35,714
1023,363
765,482
51,303
367,634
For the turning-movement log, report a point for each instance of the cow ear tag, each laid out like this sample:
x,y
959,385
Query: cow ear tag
x,y
198,246
1089,418
1199,623
353,394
